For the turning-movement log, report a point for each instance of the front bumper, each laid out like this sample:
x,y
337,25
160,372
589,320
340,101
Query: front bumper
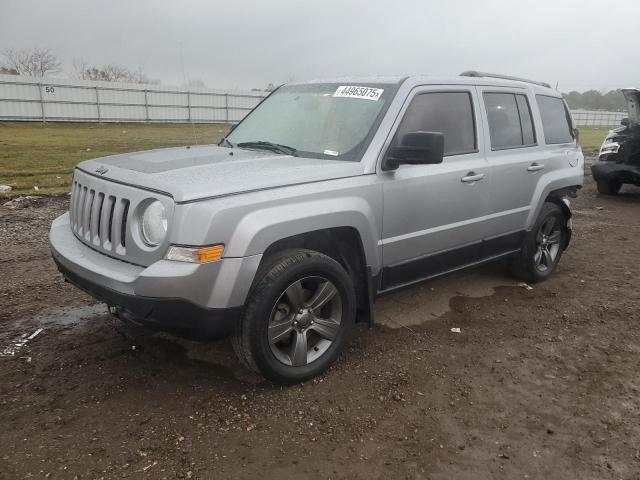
x,y
193,300
168,314
621,172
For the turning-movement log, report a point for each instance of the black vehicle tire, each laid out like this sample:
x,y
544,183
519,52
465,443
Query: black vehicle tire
x,y
542,247
300,300
610,187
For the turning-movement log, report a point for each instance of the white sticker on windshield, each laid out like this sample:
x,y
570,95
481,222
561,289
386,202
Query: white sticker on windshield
x,y
333,153
366,93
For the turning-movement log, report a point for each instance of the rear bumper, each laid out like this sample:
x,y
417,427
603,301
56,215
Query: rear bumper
x,y
192,300
621,172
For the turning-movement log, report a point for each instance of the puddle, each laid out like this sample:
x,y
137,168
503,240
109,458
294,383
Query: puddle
x,y
27,329
66,316
417,305
60,316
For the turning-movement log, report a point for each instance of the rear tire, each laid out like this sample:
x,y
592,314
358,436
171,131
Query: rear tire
x,y
610,187
300,311
543,246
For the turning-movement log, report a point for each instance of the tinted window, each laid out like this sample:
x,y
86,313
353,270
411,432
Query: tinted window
x,y
450,113
504,120
555,120
510,123
528,136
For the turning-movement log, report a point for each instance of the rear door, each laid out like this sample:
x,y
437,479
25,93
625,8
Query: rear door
x,y
434,215
516,161
557,138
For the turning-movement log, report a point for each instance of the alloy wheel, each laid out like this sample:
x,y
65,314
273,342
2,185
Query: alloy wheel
x,y
305,321
547,244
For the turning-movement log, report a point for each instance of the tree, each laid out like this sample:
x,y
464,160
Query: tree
x,y
35,62
111,72
595,100
574,99
8,71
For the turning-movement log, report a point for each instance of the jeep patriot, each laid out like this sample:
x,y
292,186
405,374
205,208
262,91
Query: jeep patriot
x,y
328,194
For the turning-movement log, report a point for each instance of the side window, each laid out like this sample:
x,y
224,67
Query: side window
x,y
528,135
510,122
450,113
555,120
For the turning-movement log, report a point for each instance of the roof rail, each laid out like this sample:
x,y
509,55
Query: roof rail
x,y
473,73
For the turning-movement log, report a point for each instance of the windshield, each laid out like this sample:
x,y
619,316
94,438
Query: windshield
x,y
329,120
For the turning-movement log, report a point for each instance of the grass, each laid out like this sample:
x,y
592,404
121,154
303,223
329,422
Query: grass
x,y
44,155
591,137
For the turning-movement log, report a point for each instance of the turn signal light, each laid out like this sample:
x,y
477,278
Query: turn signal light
x,y
195,254
210,254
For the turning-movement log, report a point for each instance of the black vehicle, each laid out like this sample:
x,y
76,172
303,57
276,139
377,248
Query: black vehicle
x,y
619,159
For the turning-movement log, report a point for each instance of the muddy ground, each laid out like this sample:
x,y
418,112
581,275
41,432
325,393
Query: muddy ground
x,y
541,383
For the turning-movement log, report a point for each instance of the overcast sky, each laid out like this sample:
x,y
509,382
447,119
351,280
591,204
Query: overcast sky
x,y
241,44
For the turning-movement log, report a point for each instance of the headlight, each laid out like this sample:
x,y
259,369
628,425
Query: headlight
x,y
609,146
154,223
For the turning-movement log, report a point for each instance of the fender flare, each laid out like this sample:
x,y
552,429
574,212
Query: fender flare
x,y
261,228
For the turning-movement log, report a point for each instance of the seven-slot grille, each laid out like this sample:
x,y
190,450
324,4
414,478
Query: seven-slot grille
x,y
98,218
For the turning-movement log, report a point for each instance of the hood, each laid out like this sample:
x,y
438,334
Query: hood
x,y
632,95
192,173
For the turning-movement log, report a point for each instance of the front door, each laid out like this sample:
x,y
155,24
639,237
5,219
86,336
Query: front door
x,y
434,215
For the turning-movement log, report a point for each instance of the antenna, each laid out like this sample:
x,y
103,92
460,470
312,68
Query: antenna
x,y
184,81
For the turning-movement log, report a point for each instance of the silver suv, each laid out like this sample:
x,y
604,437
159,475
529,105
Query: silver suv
x,y
326,195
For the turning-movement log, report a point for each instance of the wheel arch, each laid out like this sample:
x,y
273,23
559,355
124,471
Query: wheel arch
x,y
261,228
553,191
344,244
553,186
560,197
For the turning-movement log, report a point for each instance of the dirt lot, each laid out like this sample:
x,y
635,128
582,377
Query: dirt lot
x,y
540,383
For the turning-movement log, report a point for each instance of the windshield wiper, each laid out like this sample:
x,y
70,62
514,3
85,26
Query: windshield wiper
x,y
272,147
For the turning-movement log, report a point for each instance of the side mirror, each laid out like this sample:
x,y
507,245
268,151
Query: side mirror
x,y
624,122
415,148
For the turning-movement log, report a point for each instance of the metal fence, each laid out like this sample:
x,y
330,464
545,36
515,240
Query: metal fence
x,y
597,118
49,99
44,99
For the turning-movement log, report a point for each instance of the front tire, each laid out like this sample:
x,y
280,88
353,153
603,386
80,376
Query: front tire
x,y
297,318
543,246
609,187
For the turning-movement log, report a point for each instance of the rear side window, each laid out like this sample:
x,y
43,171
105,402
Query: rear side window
x,y
555,119
450,113
510,123
528,136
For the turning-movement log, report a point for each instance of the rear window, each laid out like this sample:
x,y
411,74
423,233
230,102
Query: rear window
x,y
510,123
555,120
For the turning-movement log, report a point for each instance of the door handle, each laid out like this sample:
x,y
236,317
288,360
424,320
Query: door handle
x,y
535,167
472,177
